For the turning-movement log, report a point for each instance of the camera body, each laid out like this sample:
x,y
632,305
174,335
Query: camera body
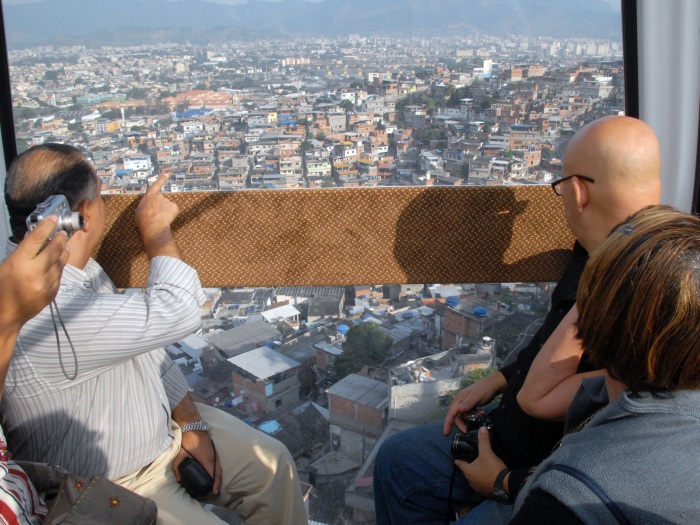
x,y
68,221
465,446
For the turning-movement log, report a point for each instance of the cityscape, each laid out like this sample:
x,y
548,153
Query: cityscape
x,y
330,371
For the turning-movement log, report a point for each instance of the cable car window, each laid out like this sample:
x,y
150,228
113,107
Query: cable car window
x,y
233,96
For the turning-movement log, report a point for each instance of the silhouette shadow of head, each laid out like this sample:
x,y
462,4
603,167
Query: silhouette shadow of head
x,y
461,235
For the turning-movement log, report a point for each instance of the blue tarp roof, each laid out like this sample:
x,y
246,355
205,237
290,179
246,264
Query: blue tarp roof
x,y
270,427
192,113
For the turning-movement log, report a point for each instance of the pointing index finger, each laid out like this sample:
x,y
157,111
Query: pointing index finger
x,y
158,184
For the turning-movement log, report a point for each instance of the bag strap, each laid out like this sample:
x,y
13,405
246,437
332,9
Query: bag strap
x,y
46,477
599,491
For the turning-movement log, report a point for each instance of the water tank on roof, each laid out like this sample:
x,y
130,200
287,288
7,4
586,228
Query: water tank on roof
x,y
480,311
342,328
453,301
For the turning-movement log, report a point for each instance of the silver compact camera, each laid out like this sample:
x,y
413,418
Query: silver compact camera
x,y
68,221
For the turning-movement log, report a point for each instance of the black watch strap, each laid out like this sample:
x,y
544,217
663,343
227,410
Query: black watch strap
x,y
499,492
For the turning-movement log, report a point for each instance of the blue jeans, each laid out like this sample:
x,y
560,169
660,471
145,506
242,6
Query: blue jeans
x,y
412,474
488,512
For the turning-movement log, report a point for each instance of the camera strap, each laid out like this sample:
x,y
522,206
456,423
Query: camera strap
x,y
53,305
451,516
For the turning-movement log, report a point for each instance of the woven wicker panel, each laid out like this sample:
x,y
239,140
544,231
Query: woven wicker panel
x,y
347,236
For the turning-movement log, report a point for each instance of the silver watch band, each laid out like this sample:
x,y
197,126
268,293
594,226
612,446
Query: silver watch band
x,y
200,425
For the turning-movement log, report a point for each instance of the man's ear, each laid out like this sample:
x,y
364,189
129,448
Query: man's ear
x,y
86,211
581,194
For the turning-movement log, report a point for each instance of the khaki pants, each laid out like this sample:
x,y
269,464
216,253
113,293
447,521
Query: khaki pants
x,y
259,478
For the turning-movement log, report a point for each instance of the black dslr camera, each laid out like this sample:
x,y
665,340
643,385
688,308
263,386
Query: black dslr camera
x,y
465,446
68,221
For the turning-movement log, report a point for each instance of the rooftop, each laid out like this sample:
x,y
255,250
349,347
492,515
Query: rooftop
x,y
362,390
273,314
244,337
263,362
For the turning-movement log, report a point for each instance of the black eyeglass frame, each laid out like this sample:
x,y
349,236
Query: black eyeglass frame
x,y
558,182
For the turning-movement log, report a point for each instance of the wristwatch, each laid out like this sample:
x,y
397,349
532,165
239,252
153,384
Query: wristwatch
x,y
200,425
499,493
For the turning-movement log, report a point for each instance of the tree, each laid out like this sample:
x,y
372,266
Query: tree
x,y
476,375
429,104
366,344
391,142
52,74
461,171
487,102
547,153
22,145
455,99
347,105
112,114
25,113
136,94
450,90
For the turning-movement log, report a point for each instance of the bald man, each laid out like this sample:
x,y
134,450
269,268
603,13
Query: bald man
x,y
624,183
622,156
96,392
611,170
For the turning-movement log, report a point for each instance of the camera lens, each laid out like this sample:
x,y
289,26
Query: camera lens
x,y
462,449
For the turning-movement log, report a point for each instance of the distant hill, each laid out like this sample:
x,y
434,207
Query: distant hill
x,y
122,22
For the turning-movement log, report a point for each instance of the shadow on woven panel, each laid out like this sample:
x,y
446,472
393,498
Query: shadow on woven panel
x,y
352,236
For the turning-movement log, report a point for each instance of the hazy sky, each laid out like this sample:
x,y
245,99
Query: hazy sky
x,y
231,2
614,3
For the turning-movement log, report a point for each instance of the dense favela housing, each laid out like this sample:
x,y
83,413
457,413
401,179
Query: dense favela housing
x,y
317,113
354,112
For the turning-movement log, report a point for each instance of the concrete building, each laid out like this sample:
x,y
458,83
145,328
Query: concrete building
x,y
244,338
265,380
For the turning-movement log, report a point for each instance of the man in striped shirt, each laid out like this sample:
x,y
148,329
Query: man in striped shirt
x,y
90,387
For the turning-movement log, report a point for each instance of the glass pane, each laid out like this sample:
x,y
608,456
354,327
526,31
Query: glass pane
x,y
240,96
361,109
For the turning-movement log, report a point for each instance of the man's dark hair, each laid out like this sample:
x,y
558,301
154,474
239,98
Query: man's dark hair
x,y
42,171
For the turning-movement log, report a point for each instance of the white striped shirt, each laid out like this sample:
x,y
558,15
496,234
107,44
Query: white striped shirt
x,y
114,418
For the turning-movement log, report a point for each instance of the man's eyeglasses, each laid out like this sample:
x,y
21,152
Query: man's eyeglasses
x,y
556,183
